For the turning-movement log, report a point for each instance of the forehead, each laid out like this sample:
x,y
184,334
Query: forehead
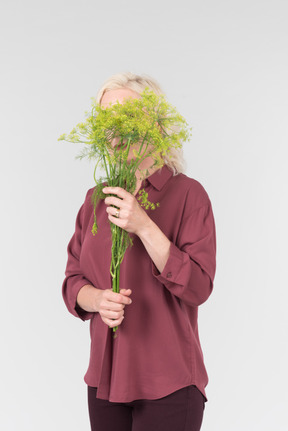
x,y
118,95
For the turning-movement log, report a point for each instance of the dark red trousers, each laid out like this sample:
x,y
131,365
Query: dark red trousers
x,y
180,411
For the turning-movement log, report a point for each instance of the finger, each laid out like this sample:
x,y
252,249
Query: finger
x,y
112,200
121,193
113,315
114,306
117,221
114,211
112,323
117,297
126,291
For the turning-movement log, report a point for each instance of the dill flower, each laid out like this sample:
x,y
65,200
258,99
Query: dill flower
x,y
147,127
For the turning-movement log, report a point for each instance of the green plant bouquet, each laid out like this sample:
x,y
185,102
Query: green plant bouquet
x,y
149,127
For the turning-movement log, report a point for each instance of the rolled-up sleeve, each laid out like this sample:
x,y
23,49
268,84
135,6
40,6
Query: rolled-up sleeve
x,y
74,278
190,269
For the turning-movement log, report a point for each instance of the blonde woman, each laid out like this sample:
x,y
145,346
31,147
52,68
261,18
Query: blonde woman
x,y
152,375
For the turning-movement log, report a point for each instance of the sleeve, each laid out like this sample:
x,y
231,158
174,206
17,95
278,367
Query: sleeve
x,y
74,278
190,269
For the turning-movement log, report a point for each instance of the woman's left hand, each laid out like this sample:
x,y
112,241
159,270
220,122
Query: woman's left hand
x,y
130,216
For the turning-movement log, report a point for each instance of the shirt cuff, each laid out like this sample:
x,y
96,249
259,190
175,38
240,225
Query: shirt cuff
x,y
71,301
171,273
83,314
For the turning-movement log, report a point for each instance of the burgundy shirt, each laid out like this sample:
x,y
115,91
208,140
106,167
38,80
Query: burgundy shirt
x,y
157,349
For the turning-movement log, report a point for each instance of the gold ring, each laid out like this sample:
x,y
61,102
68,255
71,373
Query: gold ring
x,y
117,213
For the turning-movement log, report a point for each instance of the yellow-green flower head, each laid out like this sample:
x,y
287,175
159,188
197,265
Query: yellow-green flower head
x,y
150,118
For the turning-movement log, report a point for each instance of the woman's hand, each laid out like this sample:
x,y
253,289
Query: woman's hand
x,y
134,219
110,305
130,216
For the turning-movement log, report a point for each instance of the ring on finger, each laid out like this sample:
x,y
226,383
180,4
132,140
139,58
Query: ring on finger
x,y
117,213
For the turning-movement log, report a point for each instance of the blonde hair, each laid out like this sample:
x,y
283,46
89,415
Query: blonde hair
x,y
138,83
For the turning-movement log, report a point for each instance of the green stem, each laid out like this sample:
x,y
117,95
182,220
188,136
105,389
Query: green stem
x,y
105,163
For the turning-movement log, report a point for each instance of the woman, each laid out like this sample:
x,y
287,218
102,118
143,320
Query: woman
x,y
152,375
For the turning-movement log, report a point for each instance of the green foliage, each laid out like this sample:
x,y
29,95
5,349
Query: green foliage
x,y
149,120
144,202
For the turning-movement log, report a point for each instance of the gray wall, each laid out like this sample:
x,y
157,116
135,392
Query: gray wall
x,y
224,66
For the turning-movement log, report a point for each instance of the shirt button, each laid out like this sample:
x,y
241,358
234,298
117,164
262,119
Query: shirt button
x,y
169,274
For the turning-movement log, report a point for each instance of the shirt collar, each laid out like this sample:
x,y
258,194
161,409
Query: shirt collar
x,y
160,177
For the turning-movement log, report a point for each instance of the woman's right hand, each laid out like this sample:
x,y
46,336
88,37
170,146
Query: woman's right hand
x,y
110,305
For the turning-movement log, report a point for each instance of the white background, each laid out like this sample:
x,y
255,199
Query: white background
x,y
224,65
